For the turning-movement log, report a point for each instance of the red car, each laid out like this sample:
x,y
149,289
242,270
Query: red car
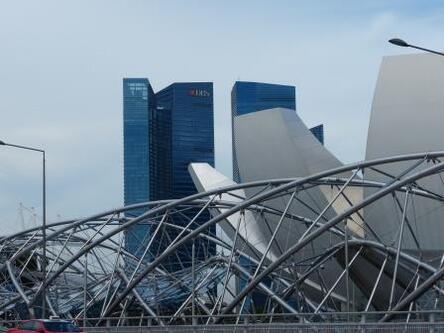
x,y
44,326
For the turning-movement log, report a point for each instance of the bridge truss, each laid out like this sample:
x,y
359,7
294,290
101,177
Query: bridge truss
x,y
199,257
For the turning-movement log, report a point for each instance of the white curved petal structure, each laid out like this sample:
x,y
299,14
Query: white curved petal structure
x,y
275,143
249,238
407,116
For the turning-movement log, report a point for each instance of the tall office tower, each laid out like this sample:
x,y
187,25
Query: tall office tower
x,y
247,97
163,133
138,103
189,110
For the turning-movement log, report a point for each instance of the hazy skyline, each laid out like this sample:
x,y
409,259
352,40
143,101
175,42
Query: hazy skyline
x,y
62,64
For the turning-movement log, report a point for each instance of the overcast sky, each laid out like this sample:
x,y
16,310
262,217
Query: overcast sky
x,y
62,64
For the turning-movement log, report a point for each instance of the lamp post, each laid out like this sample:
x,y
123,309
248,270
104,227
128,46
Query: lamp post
x,y
2,143
402,43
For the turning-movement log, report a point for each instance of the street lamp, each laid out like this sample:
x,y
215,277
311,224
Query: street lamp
x,y
2,143
402,43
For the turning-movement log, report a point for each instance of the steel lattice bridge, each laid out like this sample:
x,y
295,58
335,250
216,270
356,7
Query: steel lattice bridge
x,y
265,247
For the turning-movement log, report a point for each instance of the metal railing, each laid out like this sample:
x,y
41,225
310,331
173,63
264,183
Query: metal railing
x,y
282,328
362,322
327,317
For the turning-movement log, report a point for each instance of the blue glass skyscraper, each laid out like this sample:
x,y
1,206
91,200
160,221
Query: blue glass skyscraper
x,y
192,131
189,110
163,134
249,97
138,104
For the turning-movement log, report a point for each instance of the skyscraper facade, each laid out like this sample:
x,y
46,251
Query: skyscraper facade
x,y
160,154
190,106
163,133
138,104
249,97
189,110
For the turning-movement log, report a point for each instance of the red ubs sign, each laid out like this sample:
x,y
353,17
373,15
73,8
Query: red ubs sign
x,y
199,93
